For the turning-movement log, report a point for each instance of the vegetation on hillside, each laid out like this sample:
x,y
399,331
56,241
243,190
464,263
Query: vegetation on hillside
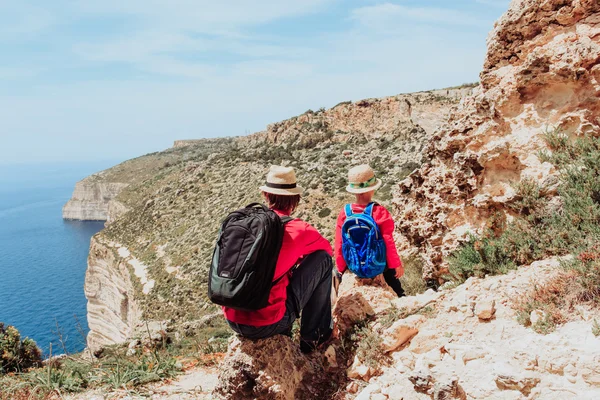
x,y
120,367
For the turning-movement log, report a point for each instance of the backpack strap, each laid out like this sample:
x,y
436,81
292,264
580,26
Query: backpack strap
x,y
258,205
348,209
369,209
286,219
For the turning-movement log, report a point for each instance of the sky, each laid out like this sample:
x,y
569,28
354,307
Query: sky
x,y
89,80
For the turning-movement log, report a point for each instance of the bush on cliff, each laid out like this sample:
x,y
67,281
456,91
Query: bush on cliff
x,y
17,355
567,224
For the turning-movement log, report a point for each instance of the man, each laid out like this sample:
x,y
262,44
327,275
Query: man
x,y
302,281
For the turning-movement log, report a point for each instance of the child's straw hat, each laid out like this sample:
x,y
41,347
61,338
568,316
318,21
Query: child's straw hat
x,y
362,179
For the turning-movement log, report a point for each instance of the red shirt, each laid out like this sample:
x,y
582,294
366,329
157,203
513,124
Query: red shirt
x,y
299,239
384,220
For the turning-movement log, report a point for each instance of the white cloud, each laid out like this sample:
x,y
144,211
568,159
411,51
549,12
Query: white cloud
x,y
168,34
274,69
496,3
204,15
394,15
139,46
16,73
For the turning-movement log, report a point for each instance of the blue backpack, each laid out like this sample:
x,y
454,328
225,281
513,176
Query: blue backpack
x,y
363,247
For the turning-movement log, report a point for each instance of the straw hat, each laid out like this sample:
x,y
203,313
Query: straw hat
x,y
281,181
362,179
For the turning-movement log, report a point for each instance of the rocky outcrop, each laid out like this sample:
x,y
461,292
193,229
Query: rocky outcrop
x,y
453,353
110,281
272,368
541,72
90,200
185,143
416,114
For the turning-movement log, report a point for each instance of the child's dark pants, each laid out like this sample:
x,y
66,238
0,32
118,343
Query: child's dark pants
x,y
390,278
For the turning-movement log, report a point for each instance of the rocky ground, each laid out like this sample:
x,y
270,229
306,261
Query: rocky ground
x,y
472,347
459,343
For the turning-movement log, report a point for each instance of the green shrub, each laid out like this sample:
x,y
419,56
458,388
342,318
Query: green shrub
x,y
325,212
479,257
17,355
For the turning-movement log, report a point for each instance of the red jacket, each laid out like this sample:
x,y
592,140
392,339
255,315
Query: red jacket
x,y
384,220
299,239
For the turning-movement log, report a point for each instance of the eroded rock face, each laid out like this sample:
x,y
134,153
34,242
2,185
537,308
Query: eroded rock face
x,y
272,368
541,72
109,288
422,113
90,200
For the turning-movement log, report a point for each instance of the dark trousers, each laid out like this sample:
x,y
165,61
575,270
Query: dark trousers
x,y
309,295
390,278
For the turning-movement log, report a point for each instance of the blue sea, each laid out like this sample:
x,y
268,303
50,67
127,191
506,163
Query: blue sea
x,y
43,258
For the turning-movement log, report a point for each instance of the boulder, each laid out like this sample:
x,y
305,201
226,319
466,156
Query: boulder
x,y
359,299
509,378
447,389
272,368
485,309
401,332
362,371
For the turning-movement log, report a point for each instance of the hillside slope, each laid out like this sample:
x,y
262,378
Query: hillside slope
x,y
93,197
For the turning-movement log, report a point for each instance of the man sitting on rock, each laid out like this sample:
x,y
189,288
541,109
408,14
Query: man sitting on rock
x,y
303,274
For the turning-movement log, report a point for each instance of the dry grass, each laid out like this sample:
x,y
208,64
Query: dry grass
x,y
412,281
578,283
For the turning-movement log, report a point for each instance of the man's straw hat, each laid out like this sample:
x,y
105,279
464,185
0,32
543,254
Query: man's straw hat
x,y
362,179
281,181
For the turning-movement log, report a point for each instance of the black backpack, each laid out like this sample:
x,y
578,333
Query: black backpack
x,y
243,265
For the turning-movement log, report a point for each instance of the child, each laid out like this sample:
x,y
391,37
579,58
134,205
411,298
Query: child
x,y
363,184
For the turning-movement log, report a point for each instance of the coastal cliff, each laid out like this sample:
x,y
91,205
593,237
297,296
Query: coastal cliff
x,y
110,290
90,200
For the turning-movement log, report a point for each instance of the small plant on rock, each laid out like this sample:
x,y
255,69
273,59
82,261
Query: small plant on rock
x,y
596,328
368,345
412,280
